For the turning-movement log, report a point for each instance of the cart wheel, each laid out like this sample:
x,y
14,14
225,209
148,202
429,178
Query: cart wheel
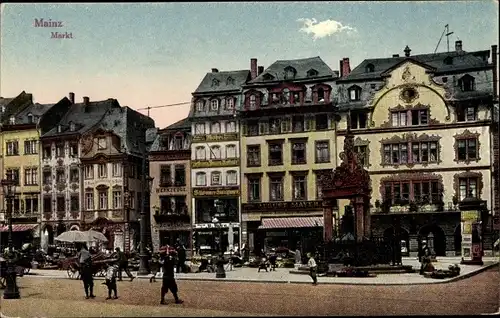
x,y
26,270
72,273
2,283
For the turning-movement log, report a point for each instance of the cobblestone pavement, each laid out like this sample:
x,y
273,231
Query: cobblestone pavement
x,y
63,297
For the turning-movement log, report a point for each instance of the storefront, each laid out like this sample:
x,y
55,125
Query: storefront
x,y
215,237
21,233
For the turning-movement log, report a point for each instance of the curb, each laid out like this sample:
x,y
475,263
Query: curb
x,y
477,271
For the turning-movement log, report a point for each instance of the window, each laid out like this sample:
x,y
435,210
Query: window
x,y
370,68
117,199
253,156
321,94
89,200
230,103
31,205
74,175
286,96
466,113
103,200
467,188
214,104
215,152
230,127
230,81
319,189
30,147
395,153
275,154
231,178
362,152
321,122
290,72
253,102
180,175
322,151
423,152
252,128
132,199
73,150
298,153
117,169
419,117
102,170
47,152
312,73
254,189
101,143
399,119
165,176
466,83
89,172
74,203
72,126
231,151
61,204
296,97
200,153
299,187
178,143
355,93
201,179
12,120
31,176
358,120
12,148
13,174
131,171
423,192
31,119
199,129
60,150
47,177
59,128
467,149
47,204
298,123
60,176
275,126
276,187
199,106
216,179
215,128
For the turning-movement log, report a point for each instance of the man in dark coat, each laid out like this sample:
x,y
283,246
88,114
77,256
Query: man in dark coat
x,y
181,257
123,265
169,283
85,263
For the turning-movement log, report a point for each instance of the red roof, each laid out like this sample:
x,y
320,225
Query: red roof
x,y
292,222
18,227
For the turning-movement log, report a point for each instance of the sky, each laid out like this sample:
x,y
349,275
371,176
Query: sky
x,y
153,54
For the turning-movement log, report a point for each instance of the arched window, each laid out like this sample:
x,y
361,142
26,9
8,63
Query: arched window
x,y
467,83
215,128
215,178
201,179
230,103
355,93
312,72
200,153
214,104
370,68
231,177
31,118
290,72
215,152
230,151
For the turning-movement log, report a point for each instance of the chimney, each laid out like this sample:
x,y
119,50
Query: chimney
x,y
260,70
72,97
395,55
494,61
86,100
346,67
253,68
341,66
407,51
214,70
458,45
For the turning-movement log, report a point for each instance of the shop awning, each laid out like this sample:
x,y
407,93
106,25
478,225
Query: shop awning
x,y
18,227
292,222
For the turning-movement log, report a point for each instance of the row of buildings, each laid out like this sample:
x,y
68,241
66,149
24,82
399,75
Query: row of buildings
x,y
248,159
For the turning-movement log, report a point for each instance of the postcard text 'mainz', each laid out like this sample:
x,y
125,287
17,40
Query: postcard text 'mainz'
x,y
41,23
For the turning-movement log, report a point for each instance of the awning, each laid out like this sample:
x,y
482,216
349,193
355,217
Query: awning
x,y
292,222
18,227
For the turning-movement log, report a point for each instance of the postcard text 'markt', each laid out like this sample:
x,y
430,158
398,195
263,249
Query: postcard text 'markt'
x,y
40,23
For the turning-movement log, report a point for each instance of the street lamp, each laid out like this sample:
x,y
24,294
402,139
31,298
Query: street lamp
x,y
11,291
220,272
143,266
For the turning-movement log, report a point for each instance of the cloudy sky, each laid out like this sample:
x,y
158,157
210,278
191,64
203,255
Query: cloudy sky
x,y
156,54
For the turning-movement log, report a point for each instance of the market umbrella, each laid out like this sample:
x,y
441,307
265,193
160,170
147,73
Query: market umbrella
x,y
96,236
73,236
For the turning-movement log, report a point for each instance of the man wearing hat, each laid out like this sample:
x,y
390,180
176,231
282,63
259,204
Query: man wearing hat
x,y
169,262
123,265
425,258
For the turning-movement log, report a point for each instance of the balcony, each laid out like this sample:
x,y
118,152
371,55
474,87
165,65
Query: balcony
x,y
171,216
409,208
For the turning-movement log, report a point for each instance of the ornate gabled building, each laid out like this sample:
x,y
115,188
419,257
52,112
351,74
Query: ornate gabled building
x,y
169,165
422,126
215,157
112,156
288,141
62,173
21,130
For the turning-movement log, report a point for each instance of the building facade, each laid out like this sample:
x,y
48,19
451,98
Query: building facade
x,y
215,159
422,125
288,140
169,165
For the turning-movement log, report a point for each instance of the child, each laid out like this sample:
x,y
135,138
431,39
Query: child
x,y
312,268
111,279
155,267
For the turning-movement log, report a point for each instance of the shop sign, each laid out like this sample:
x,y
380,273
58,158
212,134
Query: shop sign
x,y
215,163
216,192
283,206
166,226
170,155
470,216
213,226
170,189
216,137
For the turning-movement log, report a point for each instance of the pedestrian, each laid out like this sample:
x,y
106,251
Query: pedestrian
x,y
168,282
272,260
110,282
123,265
155,267
262,264
181,257
426,264
85,263
312,268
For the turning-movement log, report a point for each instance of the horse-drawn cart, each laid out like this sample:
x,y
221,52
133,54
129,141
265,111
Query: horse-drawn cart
x,y
99,265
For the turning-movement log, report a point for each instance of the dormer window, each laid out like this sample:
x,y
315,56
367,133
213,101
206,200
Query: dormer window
x,y
290,72
268,77
59,128
448,60
253,101
370,68
312,73
355,93
466,83
12,120
214,104
230,81
230,103
31,118
72,126
321,95
215,82
199,106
